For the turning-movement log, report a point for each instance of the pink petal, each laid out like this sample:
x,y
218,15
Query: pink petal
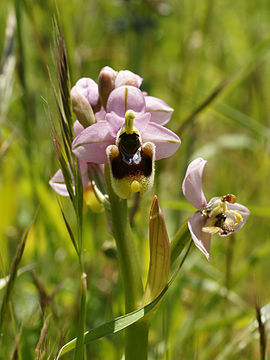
x,y
89,89
166,141
115,122
192,184
57,182
125,98
200,238
78,128
100,115
91,143
141,121
242,210
84,172
160,111
85,180
126,77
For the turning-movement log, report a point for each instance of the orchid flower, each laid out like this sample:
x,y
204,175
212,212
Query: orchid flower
x,y
129,139
221,215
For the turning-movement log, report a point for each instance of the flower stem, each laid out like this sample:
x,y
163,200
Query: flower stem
x,y
137,341
79,350
136,334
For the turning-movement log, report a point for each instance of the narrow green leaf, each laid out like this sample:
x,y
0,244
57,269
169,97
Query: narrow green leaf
x,y
113,326
122,322
242,119
68,228
12,276
159,266
226,86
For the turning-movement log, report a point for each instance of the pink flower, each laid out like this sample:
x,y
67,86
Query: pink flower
x,y
122,125
129,140
221,215
90,145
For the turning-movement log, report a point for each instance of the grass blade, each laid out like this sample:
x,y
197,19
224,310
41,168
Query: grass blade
x,y
261,329
69,229
12,276
230,82
242,119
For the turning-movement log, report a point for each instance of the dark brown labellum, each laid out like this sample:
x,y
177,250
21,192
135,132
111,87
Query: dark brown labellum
x,y
129,143
132,159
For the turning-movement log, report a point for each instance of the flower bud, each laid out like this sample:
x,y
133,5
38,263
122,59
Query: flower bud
x,y
106,83
89,89
82,108
126,77
85,100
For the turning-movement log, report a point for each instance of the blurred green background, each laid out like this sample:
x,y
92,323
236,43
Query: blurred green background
x,y
207,59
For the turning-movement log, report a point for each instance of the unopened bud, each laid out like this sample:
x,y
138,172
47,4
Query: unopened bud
x,y
82,108
126,77
106,83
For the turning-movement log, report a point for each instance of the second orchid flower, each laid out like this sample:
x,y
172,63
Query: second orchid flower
x,y
221,215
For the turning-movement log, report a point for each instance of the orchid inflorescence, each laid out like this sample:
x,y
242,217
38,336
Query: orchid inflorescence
x,y
119,124
118,135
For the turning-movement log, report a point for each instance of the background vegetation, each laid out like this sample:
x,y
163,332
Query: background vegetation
x,y
207,59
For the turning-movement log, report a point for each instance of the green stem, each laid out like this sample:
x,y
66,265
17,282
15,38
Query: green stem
x,y
79,350
137,341
136,334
